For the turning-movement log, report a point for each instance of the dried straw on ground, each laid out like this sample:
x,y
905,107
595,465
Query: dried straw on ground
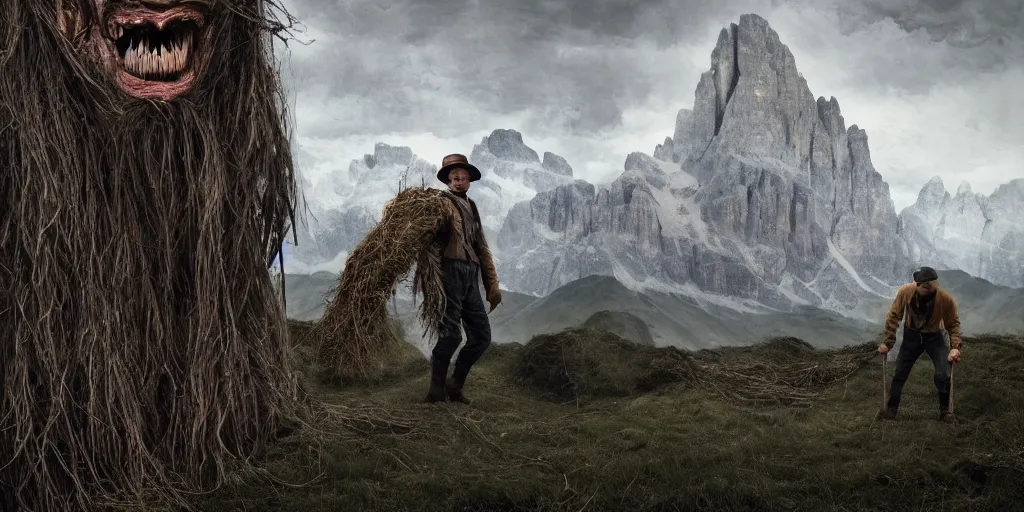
x,y
576,364
354,335
781,371
782,383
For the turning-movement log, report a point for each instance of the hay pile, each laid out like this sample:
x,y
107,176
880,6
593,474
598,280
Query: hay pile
x,y
584,363
354,336
627,325
781,371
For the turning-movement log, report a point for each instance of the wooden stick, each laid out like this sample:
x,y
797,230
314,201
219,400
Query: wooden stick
x,y
952,367
885,389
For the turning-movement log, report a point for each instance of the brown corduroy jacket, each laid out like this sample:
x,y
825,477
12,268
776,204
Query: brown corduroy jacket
x,y
479,252
944,316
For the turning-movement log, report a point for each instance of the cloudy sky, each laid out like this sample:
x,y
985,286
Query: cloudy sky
x,y
935,83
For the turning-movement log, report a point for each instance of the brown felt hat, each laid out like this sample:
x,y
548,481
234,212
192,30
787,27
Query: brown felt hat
x,y
453,161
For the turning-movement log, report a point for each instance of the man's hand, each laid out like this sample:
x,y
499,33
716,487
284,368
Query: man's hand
x,y
494,298
883,348
954,356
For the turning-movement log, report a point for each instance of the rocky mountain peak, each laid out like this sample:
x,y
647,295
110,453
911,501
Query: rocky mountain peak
x,y
761,128
763,192
385,154
935,182
978,234
556,164
390,163
512,171
508,145
932,196
1009,193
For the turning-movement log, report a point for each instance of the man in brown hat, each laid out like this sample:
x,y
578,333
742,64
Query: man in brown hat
x,y
464,258
925,310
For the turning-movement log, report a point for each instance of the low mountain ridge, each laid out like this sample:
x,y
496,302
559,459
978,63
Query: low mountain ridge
x,y
688,322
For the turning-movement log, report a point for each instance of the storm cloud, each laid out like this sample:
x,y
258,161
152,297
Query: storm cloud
x,y
594,79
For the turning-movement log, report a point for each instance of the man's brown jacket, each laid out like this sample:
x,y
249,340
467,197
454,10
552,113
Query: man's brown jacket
x,y
472,246
944,315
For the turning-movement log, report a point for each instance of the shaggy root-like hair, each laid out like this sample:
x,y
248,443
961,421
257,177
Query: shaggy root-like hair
x,y
142,345
354,334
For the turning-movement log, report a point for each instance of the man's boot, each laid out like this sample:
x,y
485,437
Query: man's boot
x,y
944,414
892,406
438,371
455,384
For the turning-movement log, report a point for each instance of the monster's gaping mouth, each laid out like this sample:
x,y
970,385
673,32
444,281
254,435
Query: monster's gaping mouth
x,y
158,53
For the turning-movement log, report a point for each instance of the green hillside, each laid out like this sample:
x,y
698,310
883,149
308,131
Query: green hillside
x,y
582,420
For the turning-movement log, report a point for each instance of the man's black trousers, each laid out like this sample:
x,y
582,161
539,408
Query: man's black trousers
x,y
465,308
916,343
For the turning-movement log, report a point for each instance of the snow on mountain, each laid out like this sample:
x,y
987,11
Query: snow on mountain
x,y
344,206
762,200
981,235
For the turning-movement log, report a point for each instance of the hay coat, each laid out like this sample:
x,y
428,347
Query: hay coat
x,y
945,315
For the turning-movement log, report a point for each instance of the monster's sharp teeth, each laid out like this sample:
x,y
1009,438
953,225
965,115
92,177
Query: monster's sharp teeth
x,y
153,55
129,60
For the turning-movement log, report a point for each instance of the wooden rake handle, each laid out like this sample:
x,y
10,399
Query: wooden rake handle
x,y
885,389
952,368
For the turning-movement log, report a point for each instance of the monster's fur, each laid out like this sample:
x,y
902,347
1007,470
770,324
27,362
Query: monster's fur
x,y
141,342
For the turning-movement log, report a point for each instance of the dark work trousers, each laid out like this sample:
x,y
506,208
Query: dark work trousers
x,y
916,343
465,308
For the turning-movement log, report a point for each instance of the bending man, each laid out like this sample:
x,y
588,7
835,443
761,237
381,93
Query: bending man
x,y
925,310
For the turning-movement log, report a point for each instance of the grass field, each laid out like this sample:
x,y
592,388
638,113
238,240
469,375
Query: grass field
x,y
684,445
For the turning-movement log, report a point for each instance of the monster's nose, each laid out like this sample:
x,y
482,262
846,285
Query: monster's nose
x,y
165,4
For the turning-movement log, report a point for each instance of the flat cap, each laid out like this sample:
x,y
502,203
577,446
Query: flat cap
x,y
925,274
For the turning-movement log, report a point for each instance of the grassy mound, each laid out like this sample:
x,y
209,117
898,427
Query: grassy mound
x,y
626,325
586,363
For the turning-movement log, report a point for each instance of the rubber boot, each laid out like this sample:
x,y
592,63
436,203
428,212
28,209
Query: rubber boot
x,y
455,384
944,414
892,406
889,413
436,393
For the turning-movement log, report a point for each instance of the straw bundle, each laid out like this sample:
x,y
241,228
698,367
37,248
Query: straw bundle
x,y
354,334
